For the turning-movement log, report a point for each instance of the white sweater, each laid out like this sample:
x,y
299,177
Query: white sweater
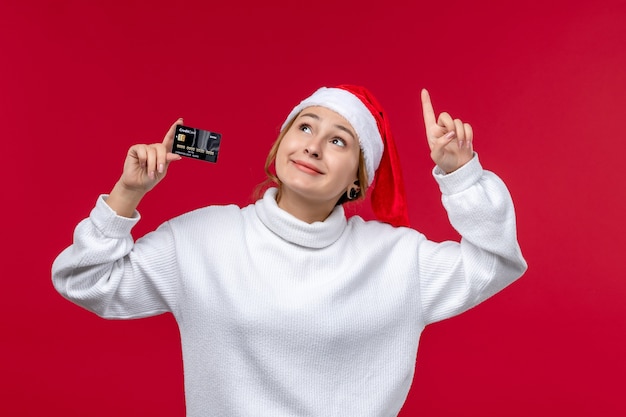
x,y
283,318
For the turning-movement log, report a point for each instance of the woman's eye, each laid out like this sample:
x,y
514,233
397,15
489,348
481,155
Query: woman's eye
x,y
338,142
305,128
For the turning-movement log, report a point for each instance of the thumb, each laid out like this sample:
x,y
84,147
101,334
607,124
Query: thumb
x,y
439,144
168,140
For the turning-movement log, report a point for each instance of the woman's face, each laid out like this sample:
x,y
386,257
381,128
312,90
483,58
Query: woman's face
x,y
318,157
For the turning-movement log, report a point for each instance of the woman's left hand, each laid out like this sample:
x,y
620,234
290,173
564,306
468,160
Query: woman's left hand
x,y
450,140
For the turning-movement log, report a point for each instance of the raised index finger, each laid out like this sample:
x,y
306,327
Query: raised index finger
x,y
427,108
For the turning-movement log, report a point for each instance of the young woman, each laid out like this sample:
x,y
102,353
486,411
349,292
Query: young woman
x,y
287,308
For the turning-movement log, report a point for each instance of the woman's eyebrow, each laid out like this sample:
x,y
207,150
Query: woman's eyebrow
x,y
315,116
345,129
341,127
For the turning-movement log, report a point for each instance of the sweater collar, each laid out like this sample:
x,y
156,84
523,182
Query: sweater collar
x,y
314,235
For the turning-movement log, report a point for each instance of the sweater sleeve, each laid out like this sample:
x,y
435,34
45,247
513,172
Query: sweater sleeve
x,y
457,276
107,273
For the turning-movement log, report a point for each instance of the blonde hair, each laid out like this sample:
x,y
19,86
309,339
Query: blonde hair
x,y
273,180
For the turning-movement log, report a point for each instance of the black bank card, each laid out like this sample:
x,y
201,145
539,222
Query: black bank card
x,y
196,143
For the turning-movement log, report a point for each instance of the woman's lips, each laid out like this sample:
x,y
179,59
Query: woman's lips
x,y
306,167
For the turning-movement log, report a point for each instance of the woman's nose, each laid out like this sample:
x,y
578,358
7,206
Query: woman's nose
x,y
313,148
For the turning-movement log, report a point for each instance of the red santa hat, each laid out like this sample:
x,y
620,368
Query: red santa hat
x,y
367,117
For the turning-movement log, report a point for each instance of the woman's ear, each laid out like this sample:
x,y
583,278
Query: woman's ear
x,y
354,191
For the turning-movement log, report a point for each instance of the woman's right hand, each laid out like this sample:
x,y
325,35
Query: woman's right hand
x,y
145,166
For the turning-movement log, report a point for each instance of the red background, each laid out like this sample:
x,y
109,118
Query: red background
x,y
543,84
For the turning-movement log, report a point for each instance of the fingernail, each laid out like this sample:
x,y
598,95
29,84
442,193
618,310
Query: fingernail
x,y
450,135
151,175
461,143
161,167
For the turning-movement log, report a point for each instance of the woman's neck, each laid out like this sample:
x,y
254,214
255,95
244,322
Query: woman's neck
x,y
302,208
